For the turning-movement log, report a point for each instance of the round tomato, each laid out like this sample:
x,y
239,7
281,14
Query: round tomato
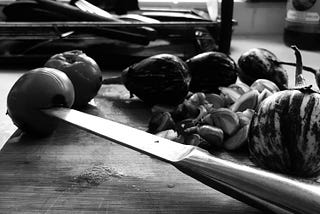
x,y
83,72
37,89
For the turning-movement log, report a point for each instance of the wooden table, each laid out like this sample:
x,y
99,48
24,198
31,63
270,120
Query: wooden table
x,y
73,171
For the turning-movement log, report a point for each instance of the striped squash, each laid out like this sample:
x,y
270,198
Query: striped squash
x,y
285,133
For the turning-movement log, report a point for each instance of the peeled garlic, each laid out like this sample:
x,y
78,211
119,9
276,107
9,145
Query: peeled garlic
x,y
225,119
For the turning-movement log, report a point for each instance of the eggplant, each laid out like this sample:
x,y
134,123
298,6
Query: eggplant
x,y
260,63
211,70
159,79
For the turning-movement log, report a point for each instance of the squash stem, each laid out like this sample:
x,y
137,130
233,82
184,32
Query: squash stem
x,y
299,79
306,68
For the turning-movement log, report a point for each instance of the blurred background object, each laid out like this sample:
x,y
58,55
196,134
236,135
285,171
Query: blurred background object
x,y
302,24
109,30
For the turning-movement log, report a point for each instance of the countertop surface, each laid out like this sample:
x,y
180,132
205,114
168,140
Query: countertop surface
x,y
73,171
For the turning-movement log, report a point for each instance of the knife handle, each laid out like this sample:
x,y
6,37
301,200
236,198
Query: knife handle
x,y
256,187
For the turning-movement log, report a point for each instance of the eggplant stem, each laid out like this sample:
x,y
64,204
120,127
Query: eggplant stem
x,y
112,80
299,80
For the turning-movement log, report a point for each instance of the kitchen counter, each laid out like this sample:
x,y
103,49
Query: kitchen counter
x,y
73,171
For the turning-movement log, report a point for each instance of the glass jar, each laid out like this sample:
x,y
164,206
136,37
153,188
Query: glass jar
x,y
302,27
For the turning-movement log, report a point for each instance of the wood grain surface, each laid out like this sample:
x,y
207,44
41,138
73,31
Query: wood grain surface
x,y
73,171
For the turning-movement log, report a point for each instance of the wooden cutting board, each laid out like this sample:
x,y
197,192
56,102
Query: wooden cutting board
x,y
73,171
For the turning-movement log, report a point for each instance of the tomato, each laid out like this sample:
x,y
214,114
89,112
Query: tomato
x,y
83,72
38,89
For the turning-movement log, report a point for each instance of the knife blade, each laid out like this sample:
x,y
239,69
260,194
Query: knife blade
x,y
262,189
128,35
87,7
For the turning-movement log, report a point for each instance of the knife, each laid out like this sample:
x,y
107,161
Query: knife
x,y
128,35
87,7
259,188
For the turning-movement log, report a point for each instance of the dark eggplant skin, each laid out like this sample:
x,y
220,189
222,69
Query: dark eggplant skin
x,y
159,79
260,63
211,70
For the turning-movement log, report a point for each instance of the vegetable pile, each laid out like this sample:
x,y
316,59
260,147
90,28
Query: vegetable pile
x,y
69,79
213,120
278,126
208,101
